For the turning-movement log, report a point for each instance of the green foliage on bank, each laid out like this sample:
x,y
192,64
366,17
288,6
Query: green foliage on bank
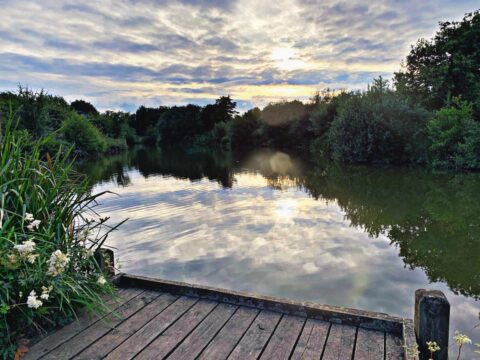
x,y
48,236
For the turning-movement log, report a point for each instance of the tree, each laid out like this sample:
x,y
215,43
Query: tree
x,y
83,107
146,118
379,126
446,66
222,111
455,137
244,129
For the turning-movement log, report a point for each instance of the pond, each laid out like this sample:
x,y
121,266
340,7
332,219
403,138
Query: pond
x,y
271,224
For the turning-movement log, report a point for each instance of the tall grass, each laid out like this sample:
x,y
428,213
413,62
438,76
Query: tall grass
x,y
48,234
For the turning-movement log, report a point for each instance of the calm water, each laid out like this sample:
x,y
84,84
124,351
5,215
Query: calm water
x,y
360,237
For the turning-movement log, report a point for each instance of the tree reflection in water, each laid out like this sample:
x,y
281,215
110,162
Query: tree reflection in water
x,y
433,218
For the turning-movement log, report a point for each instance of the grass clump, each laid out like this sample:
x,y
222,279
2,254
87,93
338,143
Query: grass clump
x,y
47,243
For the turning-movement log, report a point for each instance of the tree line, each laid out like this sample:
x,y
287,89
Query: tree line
x,y
429,113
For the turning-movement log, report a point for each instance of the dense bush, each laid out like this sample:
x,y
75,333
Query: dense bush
x,y
446,66
455,137
378,126
47,271
80,132
244,130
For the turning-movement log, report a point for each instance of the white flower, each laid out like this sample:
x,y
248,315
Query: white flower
x,y
33,225
46,292
26,247
29,217
57,263
88,253
461,339
101,280
32,300
31,258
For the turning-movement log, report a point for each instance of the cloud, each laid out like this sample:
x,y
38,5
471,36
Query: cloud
x,y
177,51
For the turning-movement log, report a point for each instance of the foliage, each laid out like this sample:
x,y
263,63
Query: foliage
x,y
84,108
39,113
47,269
455,137
244,130
178,123
42,116
80,132
379,126
113,124
437,70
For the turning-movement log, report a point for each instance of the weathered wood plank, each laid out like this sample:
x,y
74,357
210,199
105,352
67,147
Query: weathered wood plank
x,y
116,336
226,340
335,314
370,345
256,336
312,340
83,339
193,345
85,319
174,335
340,342
138,341
284,338
393,347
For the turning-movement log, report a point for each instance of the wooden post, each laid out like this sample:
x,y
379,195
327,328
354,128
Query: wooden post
x,y
432,318
105,260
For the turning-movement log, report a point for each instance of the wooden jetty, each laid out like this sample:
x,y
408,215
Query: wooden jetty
x,y
158,319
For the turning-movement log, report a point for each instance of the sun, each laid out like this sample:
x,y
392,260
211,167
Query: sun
x,y
286,59
286,209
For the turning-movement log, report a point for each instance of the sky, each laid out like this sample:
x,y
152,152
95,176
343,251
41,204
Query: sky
x,y
125,53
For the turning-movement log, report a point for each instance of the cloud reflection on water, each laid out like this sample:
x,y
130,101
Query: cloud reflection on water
x,y
267,236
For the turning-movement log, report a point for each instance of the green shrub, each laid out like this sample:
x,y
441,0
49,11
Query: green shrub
x,y
379,127
85,137
47,270
455,137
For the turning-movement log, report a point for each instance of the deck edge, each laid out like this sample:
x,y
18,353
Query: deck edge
x,y
335,314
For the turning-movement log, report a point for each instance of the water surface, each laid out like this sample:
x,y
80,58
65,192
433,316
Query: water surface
x,y
271,224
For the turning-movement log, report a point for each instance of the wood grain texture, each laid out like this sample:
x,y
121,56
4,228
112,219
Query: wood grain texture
x,y
226,340
284,338
393,347
370,345
340,343
85,319
168,340
312,340
257,336
138,341
116,336
198,340
338,314
100,328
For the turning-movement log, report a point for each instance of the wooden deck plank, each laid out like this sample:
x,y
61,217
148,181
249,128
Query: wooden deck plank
x,y
135,343
85,319
116,336
284,338
393,347
168,340
340,343
83,339
256,336
198,340
226,340
370,345
312,340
